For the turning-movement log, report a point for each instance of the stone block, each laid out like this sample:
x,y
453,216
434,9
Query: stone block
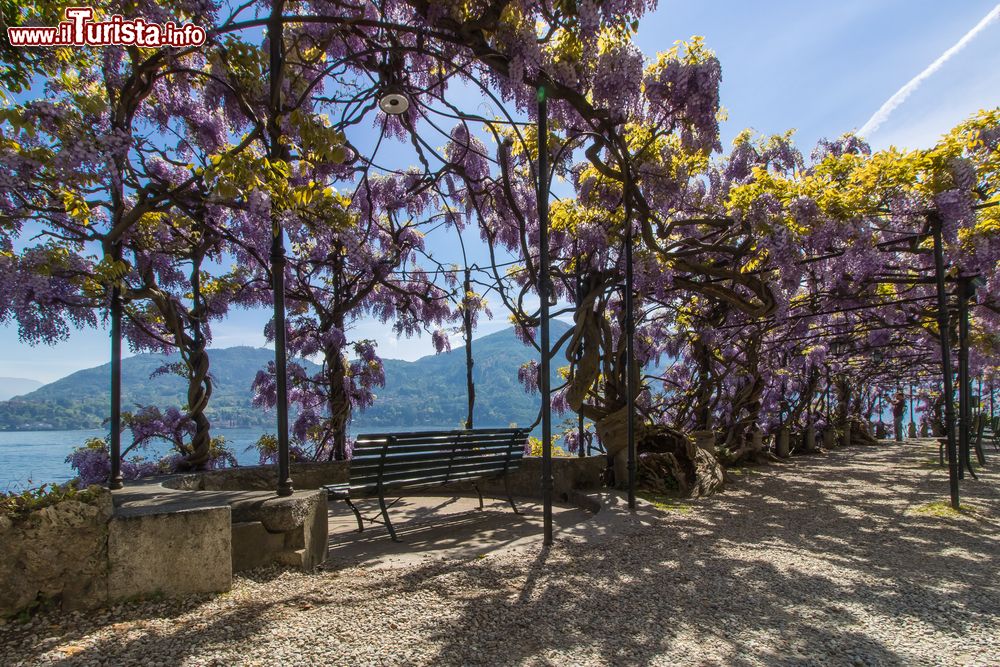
x,y
254,546
809,439
173,553
782,445
58,555
289,530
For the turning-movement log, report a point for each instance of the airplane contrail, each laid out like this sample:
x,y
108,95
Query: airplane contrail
x,y
900,95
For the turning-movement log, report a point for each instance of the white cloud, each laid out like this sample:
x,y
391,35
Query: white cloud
x,y
900,95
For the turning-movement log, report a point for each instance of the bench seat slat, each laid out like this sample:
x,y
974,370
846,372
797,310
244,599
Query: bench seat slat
x,y
372,488
426,434
403,457
447,447
435,444
436,470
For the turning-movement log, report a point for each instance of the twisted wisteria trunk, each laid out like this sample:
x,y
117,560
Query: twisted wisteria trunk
x,y
669,461
849,406
739,443
199,382
178,321
338,403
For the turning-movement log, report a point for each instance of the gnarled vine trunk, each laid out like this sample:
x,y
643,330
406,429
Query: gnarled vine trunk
x,y
668,460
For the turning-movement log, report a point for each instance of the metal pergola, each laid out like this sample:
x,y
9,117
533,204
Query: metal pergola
x,y
957,448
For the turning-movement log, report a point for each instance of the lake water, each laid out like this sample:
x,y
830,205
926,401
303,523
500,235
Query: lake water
x,y
31,458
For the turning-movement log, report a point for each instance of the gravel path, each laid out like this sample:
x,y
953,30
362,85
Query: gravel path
x,y
833,559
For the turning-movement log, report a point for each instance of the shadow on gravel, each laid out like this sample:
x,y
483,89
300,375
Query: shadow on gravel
x,y
130,641
845,551
846,544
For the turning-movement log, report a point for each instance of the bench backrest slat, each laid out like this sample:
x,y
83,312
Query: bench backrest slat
x,y
430,457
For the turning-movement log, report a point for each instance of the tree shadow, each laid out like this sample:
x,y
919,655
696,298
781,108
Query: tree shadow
x,y
821,561
799,561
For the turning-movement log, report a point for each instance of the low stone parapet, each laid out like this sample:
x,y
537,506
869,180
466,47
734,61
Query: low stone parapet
x,y
56,555
263,528
569,473
169,551
305,475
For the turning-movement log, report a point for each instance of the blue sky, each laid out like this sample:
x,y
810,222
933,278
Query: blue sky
x,y
820,68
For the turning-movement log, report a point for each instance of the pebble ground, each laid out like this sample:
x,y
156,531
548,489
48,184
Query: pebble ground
x,y
841,558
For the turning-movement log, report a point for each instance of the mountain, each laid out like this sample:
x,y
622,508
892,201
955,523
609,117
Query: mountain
x,y
427,392
431,391
80,400
11,387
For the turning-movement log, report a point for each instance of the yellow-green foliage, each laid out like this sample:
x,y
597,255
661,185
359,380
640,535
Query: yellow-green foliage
x,y
942,508
846,185
17,506
665,503
536,448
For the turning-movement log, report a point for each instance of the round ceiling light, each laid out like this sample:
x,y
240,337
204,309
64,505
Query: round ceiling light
x,y
394,102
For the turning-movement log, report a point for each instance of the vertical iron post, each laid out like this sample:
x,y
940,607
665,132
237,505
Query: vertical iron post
x,y
963,377
979,393
992,404
544,294
630,383
275,29
579,355
912,423
470,386
946,370
280,359
115,476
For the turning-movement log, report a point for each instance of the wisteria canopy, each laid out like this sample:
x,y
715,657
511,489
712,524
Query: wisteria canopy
x,y
772,290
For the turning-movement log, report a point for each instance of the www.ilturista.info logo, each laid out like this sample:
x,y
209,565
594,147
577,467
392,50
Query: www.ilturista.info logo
x,y
80,30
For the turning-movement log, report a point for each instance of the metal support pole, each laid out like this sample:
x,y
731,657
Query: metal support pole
x,y
579,416
963,377
630,379
281,360
470,385
115,476
948,392
965,293
963,380
912,423
979,394
275,29
544,295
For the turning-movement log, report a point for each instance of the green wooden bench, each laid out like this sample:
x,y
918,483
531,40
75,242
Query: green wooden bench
x,y
986,431
390,462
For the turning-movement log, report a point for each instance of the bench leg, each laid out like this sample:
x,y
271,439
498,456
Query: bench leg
x,y
475,485
510,498
357,515
385,517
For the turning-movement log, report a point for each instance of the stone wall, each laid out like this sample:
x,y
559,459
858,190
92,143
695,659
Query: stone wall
x,y
56,555
173,552
569,473
309,475
149,539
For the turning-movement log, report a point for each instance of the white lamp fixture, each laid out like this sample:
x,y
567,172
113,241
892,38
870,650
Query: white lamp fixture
x,y
393,101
